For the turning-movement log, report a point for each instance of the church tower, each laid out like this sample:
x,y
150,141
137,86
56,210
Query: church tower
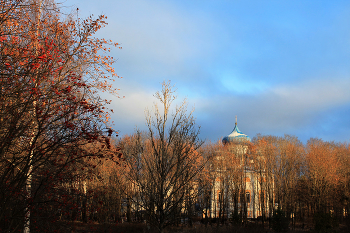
x,y
236,183
237,142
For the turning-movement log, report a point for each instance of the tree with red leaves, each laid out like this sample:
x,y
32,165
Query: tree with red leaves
x,y
51,71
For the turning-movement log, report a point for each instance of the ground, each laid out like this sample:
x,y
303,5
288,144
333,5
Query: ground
x,y
78,227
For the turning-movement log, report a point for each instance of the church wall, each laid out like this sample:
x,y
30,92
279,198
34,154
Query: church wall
x,y
252,188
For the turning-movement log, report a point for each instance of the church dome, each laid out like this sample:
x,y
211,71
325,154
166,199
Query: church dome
x,y
236,136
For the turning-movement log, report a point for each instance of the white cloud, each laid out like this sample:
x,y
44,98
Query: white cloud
x,y
129,112
314,95
158,38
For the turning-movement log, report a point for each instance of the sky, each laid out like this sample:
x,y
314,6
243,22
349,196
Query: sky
x,y
281,67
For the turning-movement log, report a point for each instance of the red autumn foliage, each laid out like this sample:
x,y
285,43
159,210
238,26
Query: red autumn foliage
x,y
51,115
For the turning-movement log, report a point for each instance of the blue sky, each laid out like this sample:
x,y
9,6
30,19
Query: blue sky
x,y
283,67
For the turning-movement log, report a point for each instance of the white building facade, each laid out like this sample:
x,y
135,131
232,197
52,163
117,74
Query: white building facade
x,y
238,186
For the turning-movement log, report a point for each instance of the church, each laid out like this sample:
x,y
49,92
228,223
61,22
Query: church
x,y
237,188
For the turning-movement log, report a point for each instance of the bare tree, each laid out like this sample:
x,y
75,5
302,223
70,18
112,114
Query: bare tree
x,y
163,161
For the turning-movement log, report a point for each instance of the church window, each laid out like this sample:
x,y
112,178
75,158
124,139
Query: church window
x,y
247,196
219,196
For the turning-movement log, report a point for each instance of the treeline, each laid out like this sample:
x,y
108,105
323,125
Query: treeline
x,y
168,183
